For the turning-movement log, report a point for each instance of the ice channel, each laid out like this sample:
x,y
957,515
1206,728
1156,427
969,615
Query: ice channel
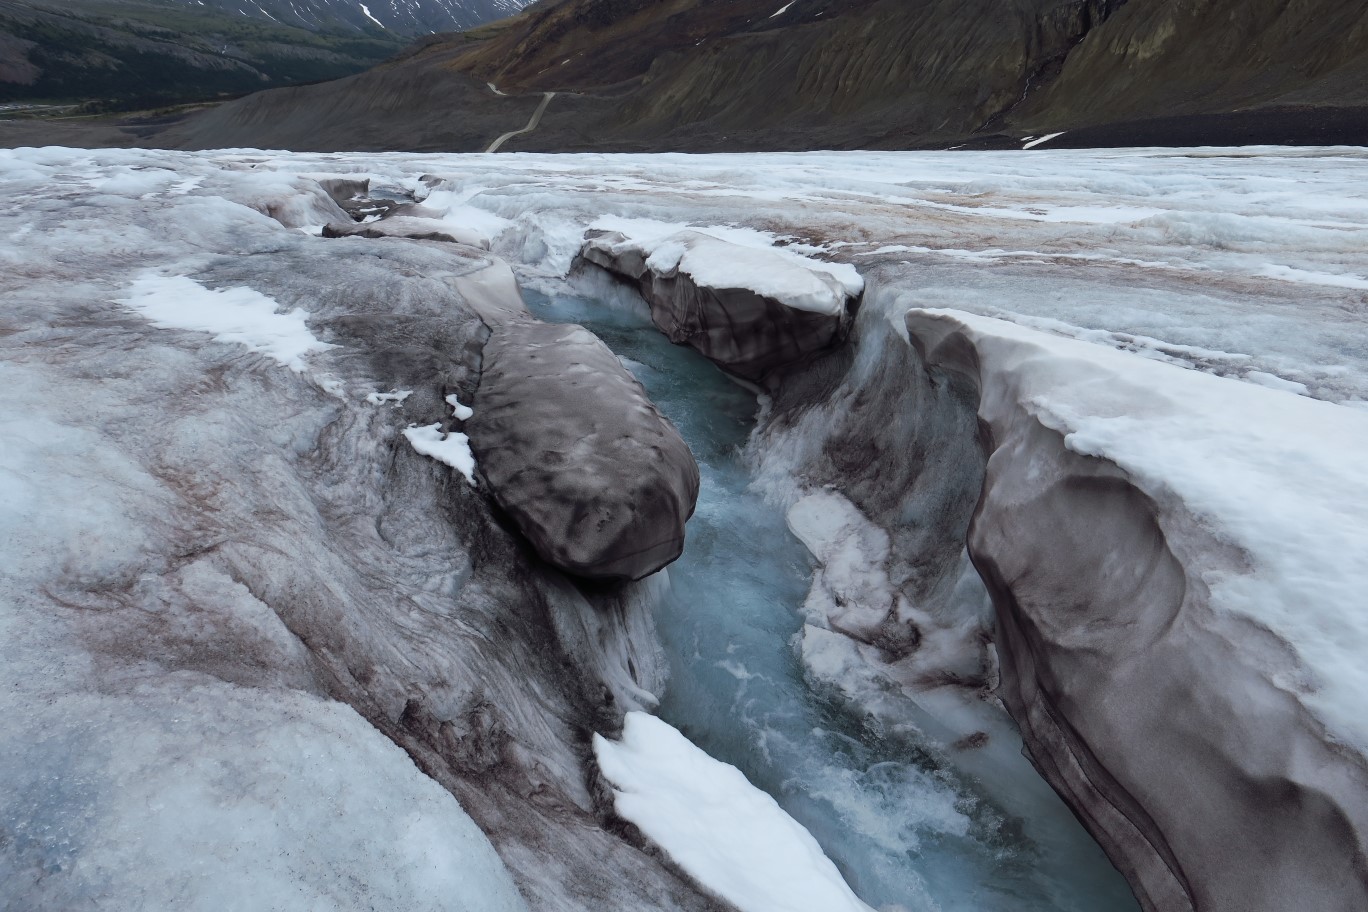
x,y
907,831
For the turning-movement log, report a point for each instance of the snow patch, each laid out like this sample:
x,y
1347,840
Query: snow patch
x,y
1273,381
651,232
459,411
726,833
238,315
714,263
455,211
452,449
1309,277
1032,141
395,396
367,12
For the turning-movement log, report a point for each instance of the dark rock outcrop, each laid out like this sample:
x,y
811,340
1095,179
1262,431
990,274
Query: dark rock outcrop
x,y
593,475
752,335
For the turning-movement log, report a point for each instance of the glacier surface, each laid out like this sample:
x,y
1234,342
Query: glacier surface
x,y
252,640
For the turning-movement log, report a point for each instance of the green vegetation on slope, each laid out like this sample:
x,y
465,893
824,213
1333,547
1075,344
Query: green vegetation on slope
x,y
136,54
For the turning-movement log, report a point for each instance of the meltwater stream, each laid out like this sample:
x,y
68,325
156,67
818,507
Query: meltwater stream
x,y
907,832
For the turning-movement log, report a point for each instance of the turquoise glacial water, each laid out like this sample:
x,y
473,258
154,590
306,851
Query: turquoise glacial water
x,y
908,832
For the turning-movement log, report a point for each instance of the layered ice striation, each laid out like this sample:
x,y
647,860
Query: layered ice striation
x,y
1171,554
257,650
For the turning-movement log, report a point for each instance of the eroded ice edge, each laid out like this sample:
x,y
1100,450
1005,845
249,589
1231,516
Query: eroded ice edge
x,y
1195,316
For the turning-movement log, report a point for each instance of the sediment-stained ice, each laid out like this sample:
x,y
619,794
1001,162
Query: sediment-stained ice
x,y
221,557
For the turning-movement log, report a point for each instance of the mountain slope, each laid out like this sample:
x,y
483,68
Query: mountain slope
x,y
700,75
129,53
137,54
814,72
399,17
684,74
1168,58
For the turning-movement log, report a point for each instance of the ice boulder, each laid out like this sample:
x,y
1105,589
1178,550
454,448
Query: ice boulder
x,y
753,311
574,451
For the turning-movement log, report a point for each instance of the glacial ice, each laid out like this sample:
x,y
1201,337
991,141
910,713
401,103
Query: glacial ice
x,y
230,591
1274,471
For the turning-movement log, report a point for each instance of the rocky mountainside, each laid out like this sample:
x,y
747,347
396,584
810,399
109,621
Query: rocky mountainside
x,y
125,54
141,54
399,17
754,74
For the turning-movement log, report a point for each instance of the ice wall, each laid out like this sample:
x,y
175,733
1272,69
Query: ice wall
x,y
1179,600
880,458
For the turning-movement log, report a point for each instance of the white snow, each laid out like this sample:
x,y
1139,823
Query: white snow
x,y
1309,277
714,824
396,397
783,9
452,449
650,233
1272,381
367,12
238,315
1032,141
718,264
459,411
456,213
715,263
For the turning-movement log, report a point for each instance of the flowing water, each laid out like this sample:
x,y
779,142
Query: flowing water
x,y
906,831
